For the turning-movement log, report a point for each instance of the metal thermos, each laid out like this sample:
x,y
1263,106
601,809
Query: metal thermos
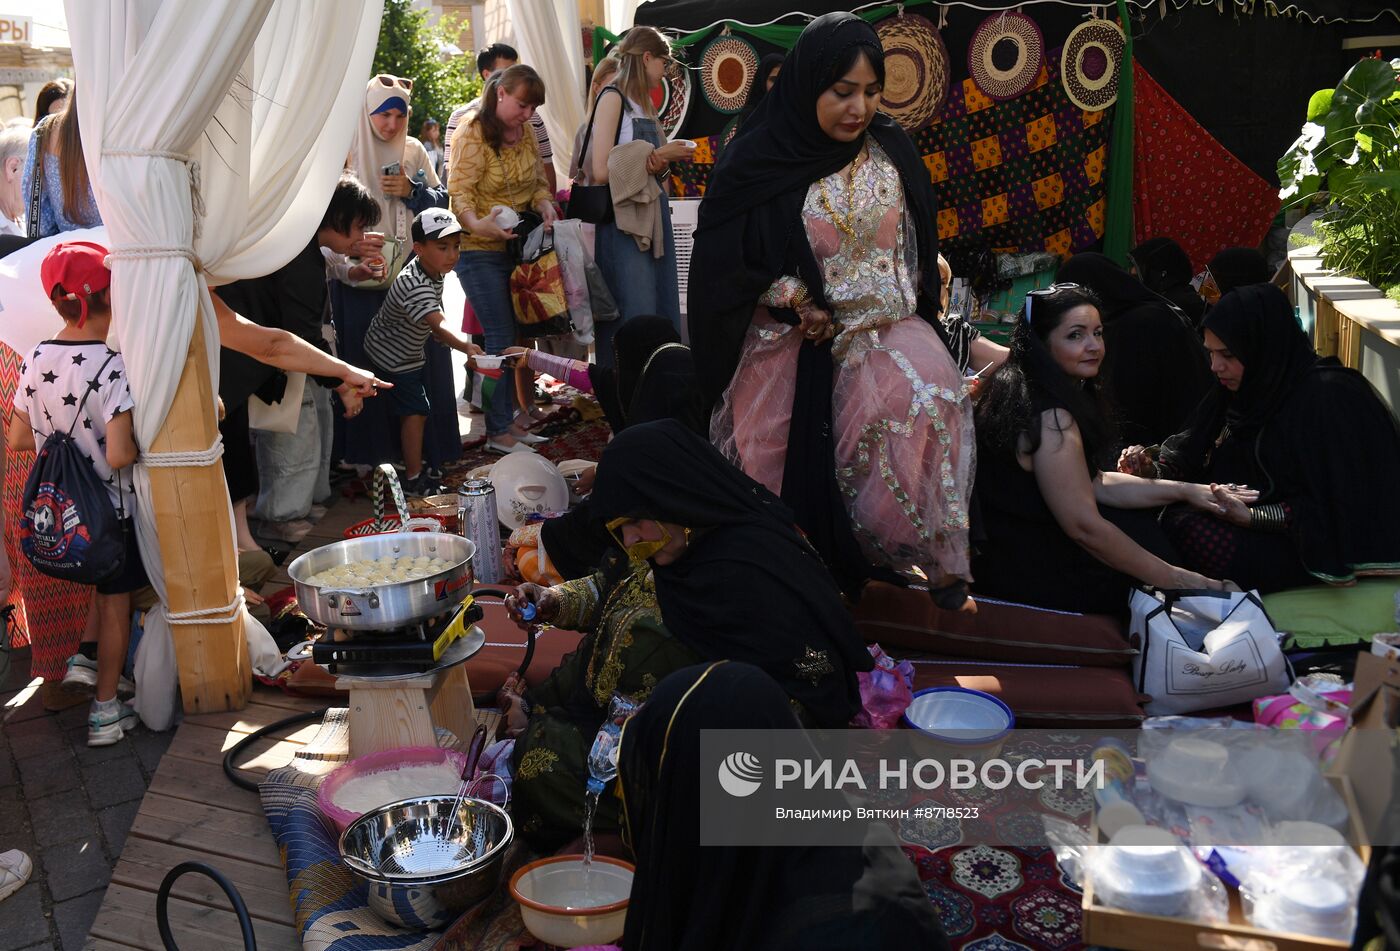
x,y
476,516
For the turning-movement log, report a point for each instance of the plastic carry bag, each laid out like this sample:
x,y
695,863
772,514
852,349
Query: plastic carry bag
x,y
1202,650
574,260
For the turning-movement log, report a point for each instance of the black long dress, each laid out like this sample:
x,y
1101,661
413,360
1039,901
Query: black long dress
x,y
686,897
1026,557
1311,435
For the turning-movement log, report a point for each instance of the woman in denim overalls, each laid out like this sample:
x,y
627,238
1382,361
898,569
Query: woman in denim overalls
x,y
640,283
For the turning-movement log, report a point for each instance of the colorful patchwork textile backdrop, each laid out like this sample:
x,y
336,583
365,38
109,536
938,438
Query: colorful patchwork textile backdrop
x,y
1188,186
1022,175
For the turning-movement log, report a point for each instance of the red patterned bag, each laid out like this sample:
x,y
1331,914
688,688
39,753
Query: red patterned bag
x,y
537,293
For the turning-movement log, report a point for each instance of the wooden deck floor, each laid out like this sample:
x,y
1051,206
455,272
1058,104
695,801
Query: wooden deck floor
x,y
192,812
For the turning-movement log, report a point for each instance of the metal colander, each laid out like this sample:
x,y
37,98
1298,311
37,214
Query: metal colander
x,y
418,840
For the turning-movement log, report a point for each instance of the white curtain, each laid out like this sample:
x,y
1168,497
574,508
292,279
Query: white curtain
x,y
619,14
549,37
262,96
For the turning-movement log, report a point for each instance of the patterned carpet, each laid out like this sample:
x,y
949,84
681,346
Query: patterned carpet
x,y
991,893
571,436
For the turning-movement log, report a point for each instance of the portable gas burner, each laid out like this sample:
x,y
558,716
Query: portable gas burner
x,y
412,647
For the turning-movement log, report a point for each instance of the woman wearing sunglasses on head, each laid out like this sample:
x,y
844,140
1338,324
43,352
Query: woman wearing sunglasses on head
x,y
1060,526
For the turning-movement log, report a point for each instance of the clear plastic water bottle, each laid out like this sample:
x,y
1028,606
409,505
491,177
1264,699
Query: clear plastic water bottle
x,y
602,758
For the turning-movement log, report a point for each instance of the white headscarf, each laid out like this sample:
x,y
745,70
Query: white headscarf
x,y
369,153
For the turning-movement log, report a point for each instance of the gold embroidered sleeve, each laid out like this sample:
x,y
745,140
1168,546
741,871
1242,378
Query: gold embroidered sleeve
x,y
578,600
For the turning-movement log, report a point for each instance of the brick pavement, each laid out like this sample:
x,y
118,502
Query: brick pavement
x,y
69,807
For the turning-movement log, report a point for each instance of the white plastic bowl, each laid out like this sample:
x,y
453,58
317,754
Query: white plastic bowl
x,y
488,362
1147,870
1197,772
1309,906
959,715
564,905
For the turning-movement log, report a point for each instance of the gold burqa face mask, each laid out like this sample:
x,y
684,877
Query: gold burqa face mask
x,y
642,550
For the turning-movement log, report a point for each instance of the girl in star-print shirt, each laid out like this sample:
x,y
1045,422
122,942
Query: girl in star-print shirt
x,y
75,384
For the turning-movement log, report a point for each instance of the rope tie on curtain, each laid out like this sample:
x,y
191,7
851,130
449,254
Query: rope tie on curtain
x,y
142,251
196,183
225,614
194,459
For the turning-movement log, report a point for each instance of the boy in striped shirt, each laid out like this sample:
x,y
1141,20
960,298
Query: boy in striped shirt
x,y
397,338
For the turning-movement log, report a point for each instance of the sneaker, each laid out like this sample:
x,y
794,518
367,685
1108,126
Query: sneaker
x,y
15,869
421,485
109,721
530,439
433,473
493,445
81,674
291,532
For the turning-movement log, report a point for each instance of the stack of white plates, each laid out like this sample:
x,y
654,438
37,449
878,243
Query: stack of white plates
x,y
1149,871
1314,906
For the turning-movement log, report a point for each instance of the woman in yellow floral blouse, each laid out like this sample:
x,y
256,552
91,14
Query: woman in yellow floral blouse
x,y
496,161
708,567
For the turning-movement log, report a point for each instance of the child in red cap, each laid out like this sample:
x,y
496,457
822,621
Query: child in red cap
x,y
76,382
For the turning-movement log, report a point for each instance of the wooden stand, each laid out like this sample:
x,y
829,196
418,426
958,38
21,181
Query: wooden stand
x,y
196,547
387,715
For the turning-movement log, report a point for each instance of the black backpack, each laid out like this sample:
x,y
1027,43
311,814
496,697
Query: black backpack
x,y
69,529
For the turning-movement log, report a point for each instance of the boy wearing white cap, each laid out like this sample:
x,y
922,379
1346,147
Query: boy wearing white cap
x,y
397,338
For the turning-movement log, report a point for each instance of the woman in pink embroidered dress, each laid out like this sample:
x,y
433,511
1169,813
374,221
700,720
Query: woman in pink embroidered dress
x,y
838,359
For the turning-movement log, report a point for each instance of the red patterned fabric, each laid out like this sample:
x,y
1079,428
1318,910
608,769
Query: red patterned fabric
x,y
1189,187
50,615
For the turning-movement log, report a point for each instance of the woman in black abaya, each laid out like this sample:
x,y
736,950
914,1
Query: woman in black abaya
x,y
691,898
1309,434
1166,270
814,294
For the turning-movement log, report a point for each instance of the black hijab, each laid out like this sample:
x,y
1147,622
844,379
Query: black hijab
x,y
1119,290
645,381
652,377
758,89
1304,431
1256,323
750,230
1239,267
691,898
1155,371
748,587
1166,269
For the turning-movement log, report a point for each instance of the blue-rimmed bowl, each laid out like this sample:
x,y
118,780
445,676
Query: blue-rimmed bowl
x,y
968,719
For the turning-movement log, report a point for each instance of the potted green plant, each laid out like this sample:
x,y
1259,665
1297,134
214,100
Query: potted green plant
x,y
1348,158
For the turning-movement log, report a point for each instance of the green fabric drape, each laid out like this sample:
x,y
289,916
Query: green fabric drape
x,y
1118,216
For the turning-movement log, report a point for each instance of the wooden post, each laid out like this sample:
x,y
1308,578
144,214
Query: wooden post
x,y
197,548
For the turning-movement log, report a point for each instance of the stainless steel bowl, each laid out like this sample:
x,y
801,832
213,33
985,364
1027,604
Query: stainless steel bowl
x,y
423,870
384,606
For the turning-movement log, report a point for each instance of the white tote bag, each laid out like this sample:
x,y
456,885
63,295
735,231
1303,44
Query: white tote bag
x,y
282,416
1199,650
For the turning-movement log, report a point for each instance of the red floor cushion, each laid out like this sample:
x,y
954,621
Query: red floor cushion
x,y
999,631
505,650
1042,695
